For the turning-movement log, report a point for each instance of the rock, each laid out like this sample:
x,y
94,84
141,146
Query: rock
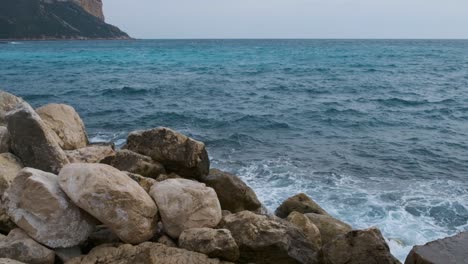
x,y
6,225
8,102
126,160
185,204
178,153
4,140
10,166
215,243
358,246
329,227
300,203
267,239
234,195
101,235
9,261
443,251
145,183
90,154
36,204
33,142
66,123
163,177
19,246
307,227
65,254
165,240
113,198
94,7
145,253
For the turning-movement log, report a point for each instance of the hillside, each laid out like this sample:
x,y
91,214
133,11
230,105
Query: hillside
x,y
52,19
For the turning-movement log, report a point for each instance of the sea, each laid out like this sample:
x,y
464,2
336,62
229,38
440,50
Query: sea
x,y
375,131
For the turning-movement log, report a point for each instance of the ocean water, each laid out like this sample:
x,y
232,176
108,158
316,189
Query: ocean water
x,y
376,131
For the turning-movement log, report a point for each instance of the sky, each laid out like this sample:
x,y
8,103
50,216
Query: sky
x,y
156,19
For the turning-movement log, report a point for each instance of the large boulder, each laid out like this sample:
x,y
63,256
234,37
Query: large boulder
x,y
90,154
66,123
234,195
185,204
8,102
266,239
307,227
329,227
4,140
178,153
36,203
450,250
126,160
145,253
300,203
357,247
33,142
19,246
215,243
113,198
10,166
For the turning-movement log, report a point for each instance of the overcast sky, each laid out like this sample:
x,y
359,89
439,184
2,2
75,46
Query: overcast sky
x,y
290,18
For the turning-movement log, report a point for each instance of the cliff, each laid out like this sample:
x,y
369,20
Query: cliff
x,y
55,19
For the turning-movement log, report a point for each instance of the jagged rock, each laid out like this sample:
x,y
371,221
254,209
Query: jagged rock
x,y
307,227
329,227
300,203
165,240
113,198
101,235
234,195
357,247
215,243
10,166
19,246
126,160
8,102
90,154
145,253
4,140
144,182
33,142
9,261
443,251
185,204
36,204
178,153
66,123
267,239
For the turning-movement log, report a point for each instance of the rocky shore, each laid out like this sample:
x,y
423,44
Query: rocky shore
x,y
155,201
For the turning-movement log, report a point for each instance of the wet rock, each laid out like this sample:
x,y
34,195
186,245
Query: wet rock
x,y
145,253
8,102
19,246
263,239
178,153
36,204
66,123
300,203
33,142
329,227
307,227
358,246
215,243
4,140
113,198
90,154
234,195
144,182
443,251
185,204
126,160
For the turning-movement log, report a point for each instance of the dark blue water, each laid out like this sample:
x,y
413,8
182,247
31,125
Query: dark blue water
x,y
375,131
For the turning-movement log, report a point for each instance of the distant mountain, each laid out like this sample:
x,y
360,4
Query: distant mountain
x,y
55,19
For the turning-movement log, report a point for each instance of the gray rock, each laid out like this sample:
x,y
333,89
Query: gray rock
x,y
215,243
234,195
300,203
8,102
178,153
126,160
450,250
33,142
10,166
308,228
66,254
329,227
358,247
4,140
19,246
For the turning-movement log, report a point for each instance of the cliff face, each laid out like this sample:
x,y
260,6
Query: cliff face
x,y
55,19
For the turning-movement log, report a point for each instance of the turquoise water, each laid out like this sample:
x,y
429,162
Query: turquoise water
x,y
374,131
